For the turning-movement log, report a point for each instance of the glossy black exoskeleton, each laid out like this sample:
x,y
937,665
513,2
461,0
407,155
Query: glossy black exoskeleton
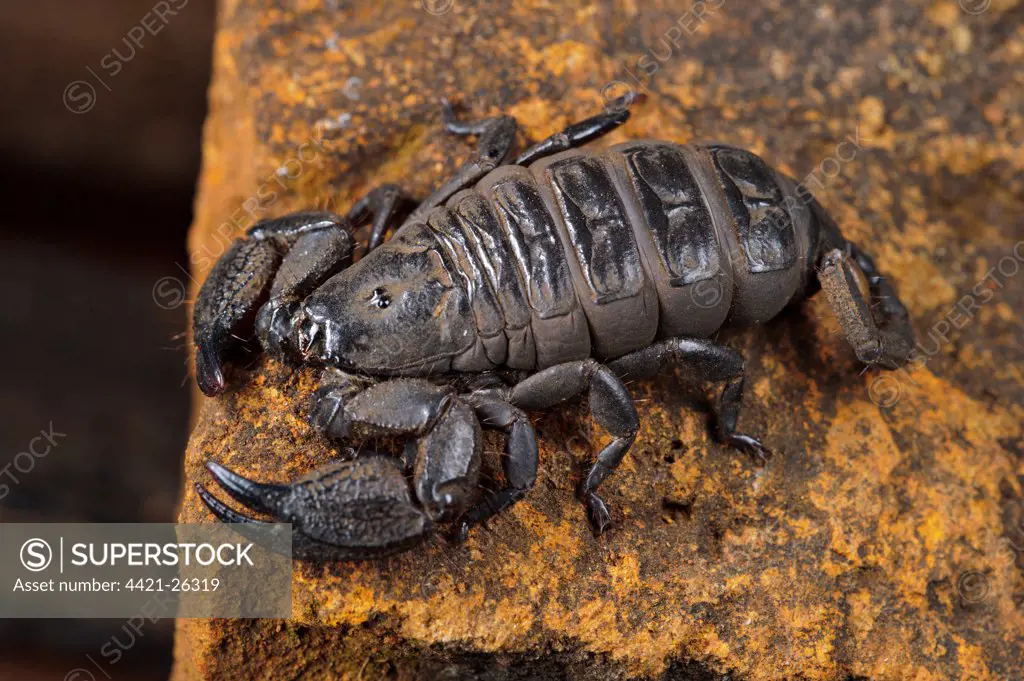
x,y
515,286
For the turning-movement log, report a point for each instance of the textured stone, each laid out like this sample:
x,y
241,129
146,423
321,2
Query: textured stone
x,y
884,539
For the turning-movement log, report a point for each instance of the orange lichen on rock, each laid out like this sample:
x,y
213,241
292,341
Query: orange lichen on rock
x,y
881,541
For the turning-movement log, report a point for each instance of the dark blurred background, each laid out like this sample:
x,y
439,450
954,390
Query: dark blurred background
x,y
101,111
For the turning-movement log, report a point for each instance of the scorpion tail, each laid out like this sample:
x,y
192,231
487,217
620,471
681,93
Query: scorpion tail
x,y
877,324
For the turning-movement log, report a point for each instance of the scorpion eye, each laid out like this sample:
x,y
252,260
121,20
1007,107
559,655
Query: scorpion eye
x,y
381,298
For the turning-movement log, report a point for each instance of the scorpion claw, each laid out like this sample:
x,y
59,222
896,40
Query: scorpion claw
x,y
209,371
224,513
260,497
227,305
346,510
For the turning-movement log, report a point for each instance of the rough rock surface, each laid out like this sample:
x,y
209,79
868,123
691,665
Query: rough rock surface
x,y
886,538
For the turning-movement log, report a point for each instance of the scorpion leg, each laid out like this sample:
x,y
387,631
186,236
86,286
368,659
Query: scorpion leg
x,y
404,406
880,334
710,362
611,406
519,463
345,510
383,204
446,472
494,140
446,452
580,133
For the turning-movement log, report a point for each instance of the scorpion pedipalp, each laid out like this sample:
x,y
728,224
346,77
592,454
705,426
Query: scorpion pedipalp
x,y
348,509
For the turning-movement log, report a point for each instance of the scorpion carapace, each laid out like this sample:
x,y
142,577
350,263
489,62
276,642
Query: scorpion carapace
x,y
515,286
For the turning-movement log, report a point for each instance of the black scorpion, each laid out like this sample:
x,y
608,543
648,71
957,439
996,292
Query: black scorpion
x,y
515,286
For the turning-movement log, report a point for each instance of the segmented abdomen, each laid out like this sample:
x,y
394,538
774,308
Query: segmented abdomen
x,y
724,237
588,253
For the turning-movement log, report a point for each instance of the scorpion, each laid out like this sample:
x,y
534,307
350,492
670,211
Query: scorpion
x,y
515,286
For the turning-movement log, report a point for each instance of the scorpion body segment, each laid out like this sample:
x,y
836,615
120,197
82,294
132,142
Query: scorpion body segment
x,y
598,254
517,285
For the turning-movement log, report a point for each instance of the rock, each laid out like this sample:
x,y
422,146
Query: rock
x,y
884,539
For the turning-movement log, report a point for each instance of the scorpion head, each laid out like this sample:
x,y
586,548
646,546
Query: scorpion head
x,y
397,311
